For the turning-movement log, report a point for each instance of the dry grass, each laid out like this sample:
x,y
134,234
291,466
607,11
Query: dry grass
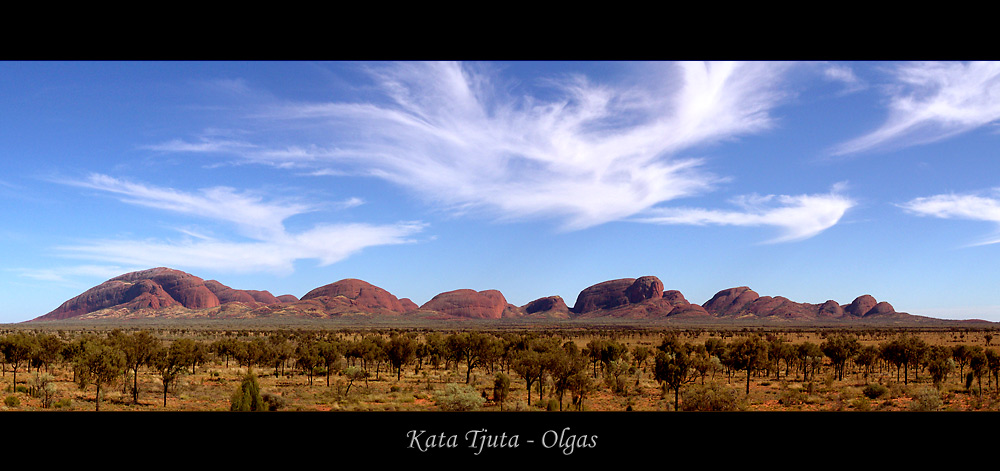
x,y
209,388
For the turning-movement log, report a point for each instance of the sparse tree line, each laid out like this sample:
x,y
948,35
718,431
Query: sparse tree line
x,y
545,363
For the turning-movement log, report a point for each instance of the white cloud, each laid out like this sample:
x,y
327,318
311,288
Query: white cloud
x,y
959,206
929,102
210,145
797,217
62,275
247,211
844,74
272,248
586,153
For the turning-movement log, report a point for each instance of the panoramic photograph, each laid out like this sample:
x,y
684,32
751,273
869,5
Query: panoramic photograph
x,y
453,248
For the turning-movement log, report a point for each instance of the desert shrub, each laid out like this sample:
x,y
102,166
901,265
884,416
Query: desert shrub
x,y
791,396
552,405
926,399
12,401
247,397
273,402
44,388
711,397
874,391
861,404
459,398
64,403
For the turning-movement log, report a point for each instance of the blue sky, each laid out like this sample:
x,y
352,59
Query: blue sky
x,y
813,181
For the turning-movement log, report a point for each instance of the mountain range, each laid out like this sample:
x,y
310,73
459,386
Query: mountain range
x,y
168,293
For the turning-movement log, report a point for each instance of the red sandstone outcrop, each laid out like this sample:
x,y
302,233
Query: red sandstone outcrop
x,y
860,306
408,304
830,309
364,295
605,295
156,288
549,306
173,293
643,288
730,302
467,303
227,294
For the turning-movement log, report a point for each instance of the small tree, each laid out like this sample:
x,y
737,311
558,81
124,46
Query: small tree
x,y
169,363
501,389
672,366
17,349
840,348
748,354
138,350
100,365
353,373
401,350
248,398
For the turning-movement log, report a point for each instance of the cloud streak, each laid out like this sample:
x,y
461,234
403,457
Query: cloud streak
x,y
584,153
271,248
929,102
796,217
973,207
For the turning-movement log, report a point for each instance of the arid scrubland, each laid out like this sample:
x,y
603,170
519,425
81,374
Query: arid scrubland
x,y
176,369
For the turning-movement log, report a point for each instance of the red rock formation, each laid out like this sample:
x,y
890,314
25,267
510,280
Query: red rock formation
x,y
730,302
171,293
408,304
550,306
227,294
363,294
830,309
264,297
605,295
880,309
185,288
643,288
467,303
155,288
860,306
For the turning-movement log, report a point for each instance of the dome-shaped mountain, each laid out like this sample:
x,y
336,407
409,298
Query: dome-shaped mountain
x,y
362,294
155,288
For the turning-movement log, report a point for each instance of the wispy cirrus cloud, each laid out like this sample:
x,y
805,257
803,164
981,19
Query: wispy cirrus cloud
x,y
63,275
971,206
270,246
566,147
796,217
844,74
929,102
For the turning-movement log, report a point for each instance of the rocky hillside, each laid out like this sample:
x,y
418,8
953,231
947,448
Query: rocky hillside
x,y
164,292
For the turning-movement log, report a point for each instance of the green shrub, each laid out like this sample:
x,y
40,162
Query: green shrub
x,y
459,398
711,397
12,401
247,398
273,402
64,403
792,396
874,391
925,400
861,404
